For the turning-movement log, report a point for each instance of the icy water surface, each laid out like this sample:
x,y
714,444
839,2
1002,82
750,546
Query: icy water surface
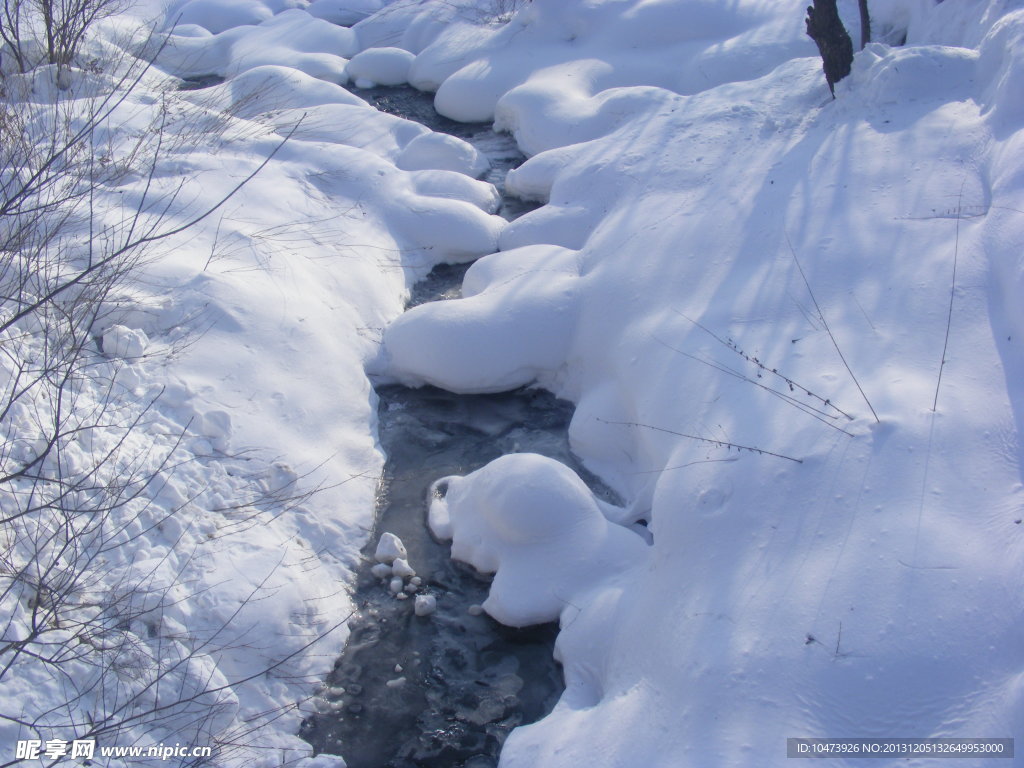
x,y
441,690
444,689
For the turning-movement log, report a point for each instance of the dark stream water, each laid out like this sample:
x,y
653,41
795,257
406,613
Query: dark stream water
x,y
441,690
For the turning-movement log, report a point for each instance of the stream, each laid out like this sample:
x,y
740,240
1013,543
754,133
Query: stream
x,y
441,690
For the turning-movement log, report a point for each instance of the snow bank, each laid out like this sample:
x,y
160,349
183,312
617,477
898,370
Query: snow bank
x,y
701,184
487,342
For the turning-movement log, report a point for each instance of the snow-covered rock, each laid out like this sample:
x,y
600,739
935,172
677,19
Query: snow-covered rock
x,y
425,605
532,522
438,151
379,66
389,548
401,568
119,341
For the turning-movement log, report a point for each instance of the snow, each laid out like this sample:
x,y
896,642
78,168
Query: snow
x,y
249,335
219,15
379,66
776,568
402,569
485,343
381,570
532,522
119,341
389,549
290,39
344,12
425,605
437,151
842,583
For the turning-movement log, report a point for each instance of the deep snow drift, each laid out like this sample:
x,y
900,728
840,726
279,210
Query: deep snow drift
x,y
714,227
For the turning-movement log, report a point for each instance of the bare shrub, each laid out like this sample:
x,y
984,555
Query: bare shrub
x,y
38,32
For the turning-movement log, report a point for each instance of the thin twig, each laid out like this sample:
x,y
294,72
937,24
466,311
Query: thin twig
x,y
730,344
810,410
952,293
712,441
824,322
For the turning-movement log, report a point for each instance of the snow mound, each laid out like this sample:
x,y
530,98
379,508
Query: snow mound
x,y
406,25
439,151
512,327
262,89
389,549
886,75
119,341
297,40
1001,68
446,228
220,15
686,47
380,66
291,39
456,186
344,12
568,226
532,522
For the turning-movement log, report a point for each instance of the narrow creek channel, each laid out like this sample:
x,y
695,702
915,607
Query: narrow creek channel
x,y
441,690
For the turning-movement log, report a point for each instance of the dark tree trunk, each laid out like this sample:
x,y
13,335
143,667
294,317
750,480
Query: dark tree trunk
x,y
826,29
865,23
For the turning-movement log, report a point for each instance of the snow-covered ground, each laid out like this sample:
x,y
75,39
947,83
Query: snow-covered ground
x,y
692,162
744,286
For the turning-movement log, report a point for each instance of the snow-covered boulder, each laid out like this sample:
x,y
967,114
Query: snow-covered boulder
x,y
389,549
425,605
380,66
119,341
532,522
439,151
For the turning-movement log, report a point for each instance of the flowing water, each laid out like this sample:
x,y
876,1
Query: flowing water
x,y
441,690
